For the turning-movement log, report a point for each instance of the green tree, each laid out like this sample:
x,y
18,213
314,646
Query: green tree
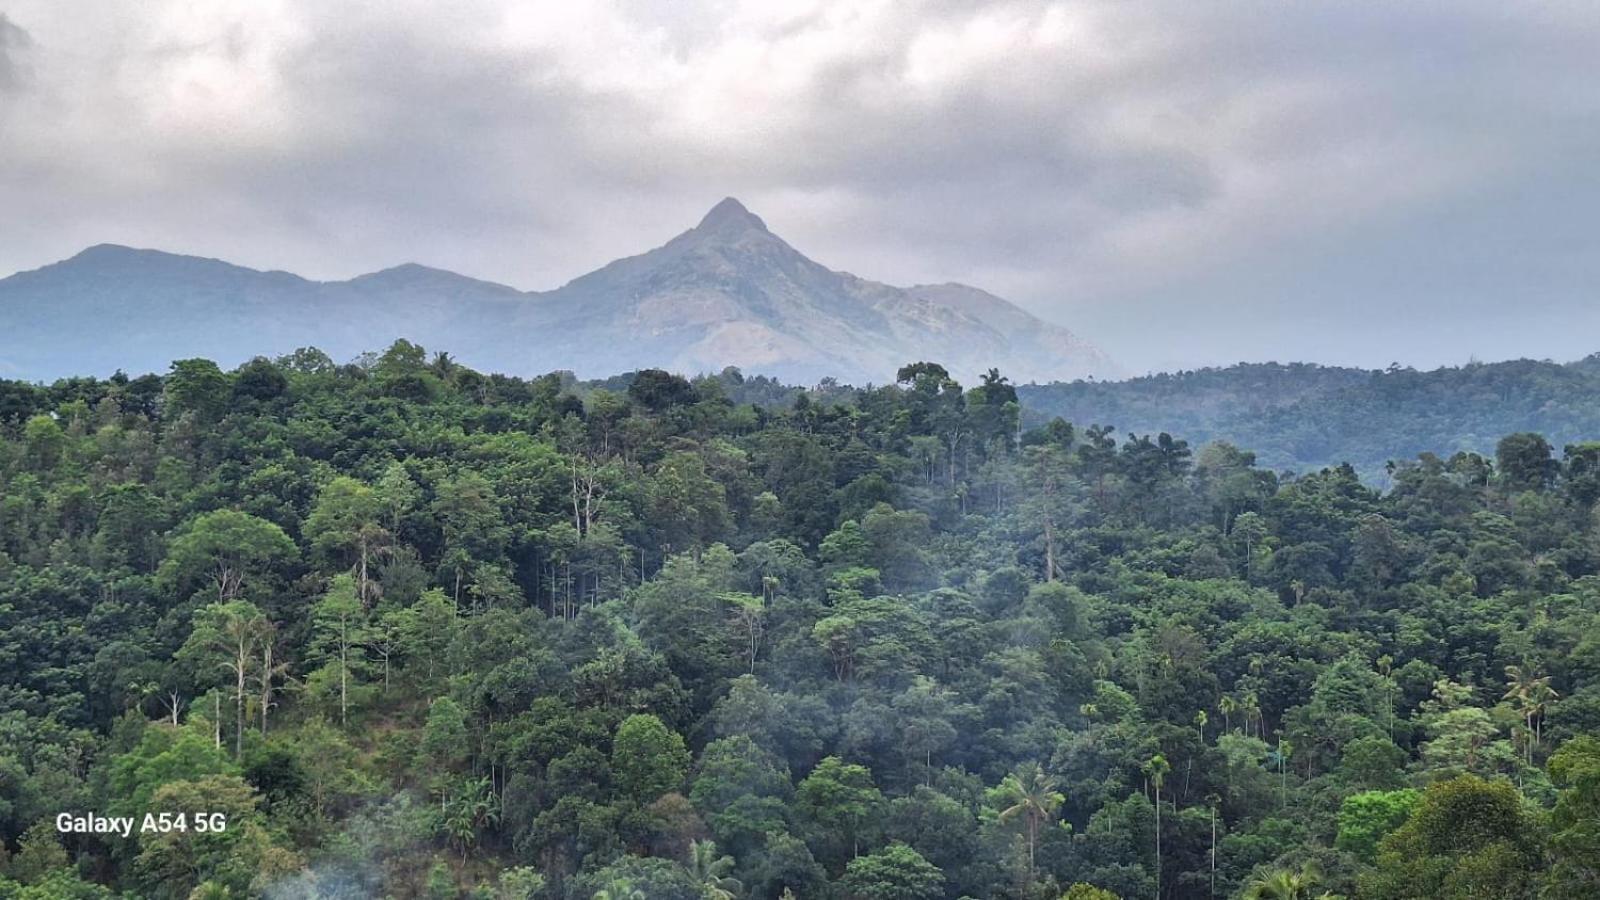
x,y
340,630
1466,838
1525,461
648,759
838,799
171,864
228,636
199,387
896,872
1575,821
39,853
45,441
519,883
226,548
742,790
444,738
346,526
1365,818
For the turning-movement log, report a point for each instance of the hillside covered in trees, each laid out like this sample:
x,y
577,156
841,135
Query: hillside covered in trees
x,y
416,631
1303,417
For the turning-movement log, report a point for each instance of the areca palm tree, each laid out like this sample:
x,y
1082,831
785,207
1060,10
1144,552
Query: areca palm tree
x,y
1030,795
711,871
1214,801
1250,705
1227,706
1280,755
1285,884
1157,769
1531,694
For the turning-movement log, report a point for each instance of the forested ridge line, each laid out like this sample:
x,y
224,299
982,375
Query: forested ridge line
x,y
1304,417
423,632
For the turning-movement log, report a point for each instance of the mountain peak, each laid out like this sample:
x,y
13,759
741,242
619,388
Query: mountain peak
x,y
113,251
728,215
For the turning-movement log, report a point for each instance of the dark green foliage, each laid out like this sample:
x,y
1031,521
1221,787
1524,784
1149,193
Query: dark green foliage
x,y
1466,838
429,632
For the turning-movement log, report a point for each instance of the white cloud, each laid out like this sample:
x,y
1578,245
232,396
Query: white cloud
x,y
1080,157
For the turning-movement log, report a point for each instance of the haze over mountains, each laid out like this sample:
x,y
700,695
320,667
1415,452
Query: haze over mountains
x,y
727,292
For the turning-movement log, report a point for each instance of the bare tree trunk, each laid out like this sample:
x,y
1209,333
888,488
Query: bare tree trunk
x,y
1158,842
266,682
344,674
363,577
1049,548
241,667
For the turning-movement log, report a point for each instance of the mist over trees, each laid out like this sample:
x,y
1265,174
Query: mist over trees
x,y
1304,417
419,631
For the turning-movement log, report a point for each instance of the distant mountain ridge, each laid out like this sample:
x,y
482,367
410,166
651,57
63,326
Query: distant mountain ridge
x,y
727,292
1303,417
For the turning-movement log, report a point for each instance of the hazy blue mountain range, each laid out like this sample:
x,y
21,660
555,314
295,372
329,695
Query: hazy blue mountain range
x,y
1304,417
727,292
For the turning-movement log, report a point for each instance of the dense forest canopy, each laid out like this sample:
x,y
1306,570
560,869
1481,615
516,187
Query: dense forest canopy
x,y
422,632
1304,417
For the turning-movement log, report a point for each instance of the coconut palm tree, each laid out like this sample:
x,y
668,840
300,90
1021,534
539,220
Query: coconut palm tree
x,y
711,871
619,890
1030,795
1284,884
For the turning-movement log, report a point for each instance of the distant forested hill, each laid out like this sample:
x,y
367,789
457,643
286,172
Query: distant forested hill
x,y
1304,417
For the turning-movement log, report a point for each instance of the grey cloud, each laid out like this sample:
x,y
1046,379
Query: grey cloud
x,y
1172,179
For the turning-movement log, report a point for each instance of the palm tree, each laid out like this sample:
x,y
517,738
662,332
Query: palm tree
x,y
1530,694
1541,696
711,871
1386,669
1251,706
1281,755
1030,795
620,889
1157,768
1227,706
1284,884
1213,801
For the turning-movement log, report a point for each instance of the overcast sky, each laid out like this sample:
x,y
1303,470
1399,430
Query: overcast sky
x,y
1182,183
